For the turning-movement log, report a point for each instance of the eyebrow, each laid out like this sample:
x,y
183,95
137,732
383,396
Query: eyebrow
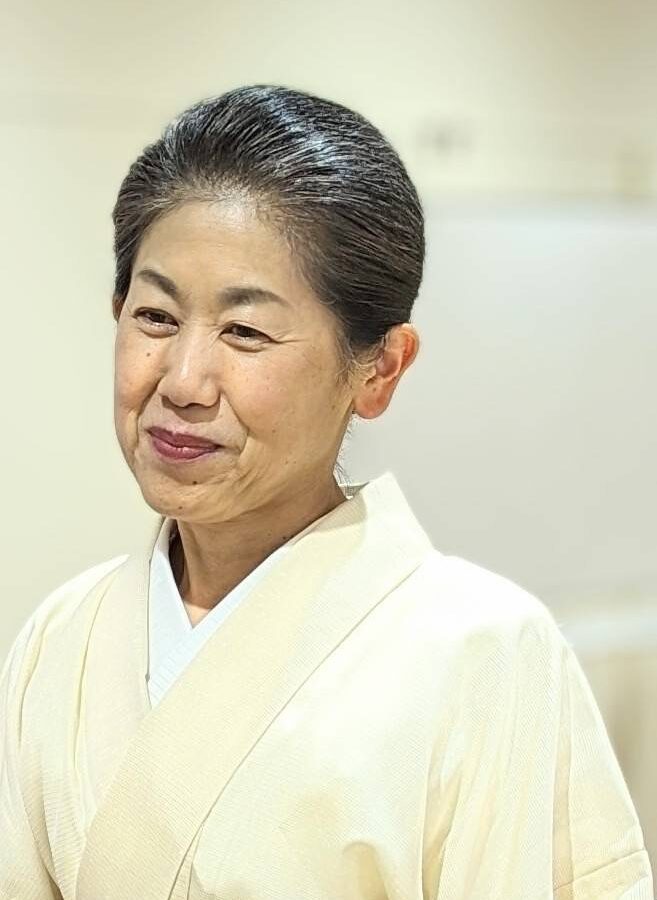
x,y
238,295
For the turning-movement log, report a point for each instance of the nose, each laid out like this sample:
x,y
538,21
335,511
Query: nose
x,y
191,376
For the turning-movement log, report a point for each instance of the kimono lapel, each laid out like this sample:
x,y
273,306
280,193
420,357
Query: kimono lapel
x,y
117,697
173,771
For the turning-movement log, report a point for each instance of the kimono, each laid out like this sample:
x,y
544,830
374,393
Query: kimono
x,y
374,720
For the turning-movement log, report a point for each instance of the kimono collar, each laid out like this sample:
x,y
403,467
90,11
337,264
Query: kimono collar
x,y
333,576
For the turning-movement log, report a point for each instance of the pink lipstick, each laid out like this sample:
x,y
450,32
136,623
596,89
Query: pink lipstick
x,y
180,446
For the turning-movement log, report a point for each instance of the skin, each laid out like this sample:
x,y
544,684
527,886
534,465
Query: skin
x,y
271,399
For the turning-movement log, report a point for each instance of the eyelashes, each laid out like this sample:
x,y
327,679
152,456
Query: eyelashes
x,y
144,313
258,334
147,314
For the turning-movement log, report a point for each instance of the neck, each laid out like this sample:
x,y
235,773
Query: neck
x,y
208,561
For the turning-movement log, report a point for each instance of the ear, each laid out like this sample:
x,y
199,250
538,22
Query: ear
x,y
375,393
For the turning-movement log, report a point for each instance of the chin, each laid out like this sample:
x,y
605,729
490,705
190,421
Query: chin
x,y
169,497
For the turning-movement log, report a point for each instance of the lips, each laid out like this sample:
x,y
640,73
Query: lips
x,y
182,439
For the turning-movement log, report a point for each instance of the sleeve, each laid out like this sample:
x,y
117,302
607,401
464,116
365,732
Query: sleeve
x,y
530,796
23,874
599,850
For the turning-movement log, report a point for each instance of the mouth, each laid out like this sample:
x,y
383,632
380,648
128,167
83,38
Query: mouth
x,y
182,438
164,446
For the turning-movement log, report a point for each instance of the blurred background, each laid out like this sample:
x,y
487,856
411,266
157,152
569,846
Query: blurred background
x,y
524,435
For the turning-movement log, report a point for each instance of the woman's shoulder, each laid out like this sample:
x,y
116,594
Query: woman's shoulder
x,y
67,596
494,643
475,605
58,607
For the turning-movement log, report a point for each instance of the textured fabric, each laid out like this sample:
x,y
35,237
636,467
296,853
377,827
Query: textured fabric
x,y
173,641
615,638
375,720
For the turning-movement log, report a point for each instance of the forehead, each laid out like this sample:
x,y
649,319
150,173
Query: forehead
x,y
224,243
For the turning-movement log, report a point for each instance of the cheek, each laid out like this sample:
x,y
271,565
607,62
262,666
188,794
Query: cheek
x,y
132,372
266,392
130,396
126,394
305,412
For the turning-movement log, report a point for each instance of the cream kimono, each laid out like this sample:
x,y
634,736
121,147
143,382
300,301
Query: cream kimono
x,y
374,721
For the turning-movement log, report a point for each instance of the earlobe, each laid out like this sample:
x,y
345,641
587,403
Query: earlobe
x,y
399,350
374,398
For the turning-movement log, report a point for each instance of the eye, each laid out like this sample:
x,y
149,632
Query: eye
x,y
149,316
148,313
255,335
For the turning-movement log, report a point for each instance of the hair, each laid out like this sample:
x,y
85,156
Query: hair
x,y
321,173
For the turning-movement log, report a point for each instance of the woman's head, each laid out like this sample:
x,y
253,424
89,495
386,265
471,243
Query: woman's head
x,y
268,188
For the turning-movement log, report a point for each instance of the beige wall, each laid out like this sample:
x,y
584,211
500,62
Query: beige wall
x,y
510,96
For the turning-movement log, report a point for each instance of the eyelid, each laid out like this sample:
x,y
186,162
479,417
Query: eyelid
x,y
255,331
158,312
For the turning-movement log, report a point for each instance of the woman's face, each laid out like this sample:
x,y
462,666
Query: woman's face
x,y
203,347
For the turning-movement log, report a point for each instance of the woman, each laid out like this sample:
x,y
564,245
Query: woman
x,y
285,691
